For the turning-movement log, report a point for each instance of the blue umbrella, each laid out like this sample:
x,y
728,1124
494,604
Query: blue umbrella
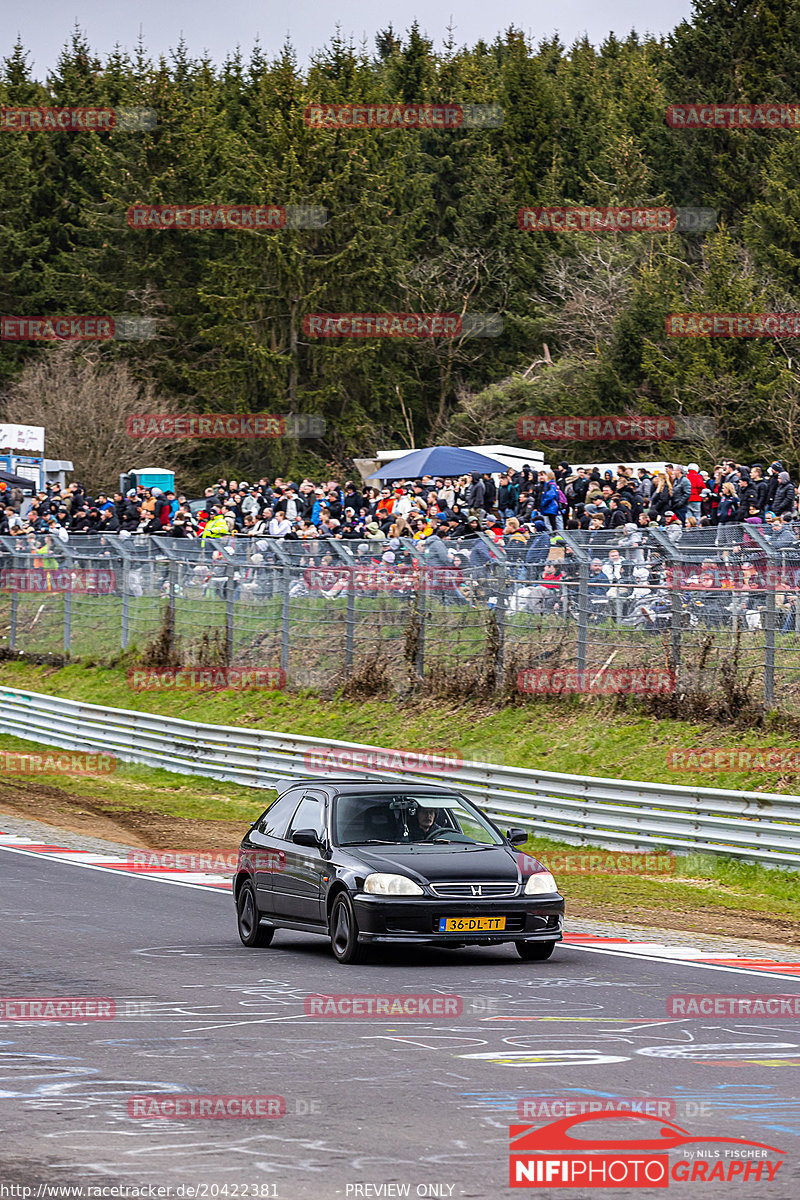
x,y
439,460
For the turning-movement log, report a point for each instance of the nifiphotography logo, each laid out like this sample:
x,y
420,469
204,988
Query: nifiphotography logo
x,y
553,1156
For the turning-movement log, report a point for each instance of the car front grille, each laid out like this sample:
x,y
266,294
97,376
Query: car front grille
x,y
474,891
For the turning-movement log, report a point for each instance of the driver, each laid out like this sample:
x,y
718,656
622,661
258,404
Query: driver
x,y
427,824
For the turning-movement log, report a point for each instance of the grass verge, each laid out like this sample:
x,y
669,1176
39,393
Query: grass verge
x,y
575,735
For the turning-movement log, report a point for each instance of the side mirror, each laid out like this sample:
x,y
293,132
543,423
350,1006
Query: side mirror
x,y
306,837
517,837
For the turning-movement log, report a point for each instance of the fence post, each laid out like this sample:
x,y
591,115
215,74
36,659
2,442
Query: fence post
x,y
500,617
285,618
126,606
171,573
769,649
12,633
230,592
350,621
675,622
422,614
583,613
67,621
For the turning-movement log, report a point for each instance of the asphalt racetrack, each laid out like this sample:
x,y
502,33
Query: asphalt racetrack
x,y
372,1106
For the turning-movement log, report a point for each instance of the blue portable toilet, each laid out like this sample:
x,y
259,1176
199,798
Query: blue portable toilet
x,y
148,477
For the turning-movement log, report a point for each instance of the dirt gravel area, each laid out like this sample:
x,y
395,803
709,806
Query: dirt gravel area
x,y
752,926
135,828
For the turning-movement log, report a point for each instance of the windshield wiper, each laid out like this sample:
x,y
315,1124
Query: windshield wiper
x,y
370,842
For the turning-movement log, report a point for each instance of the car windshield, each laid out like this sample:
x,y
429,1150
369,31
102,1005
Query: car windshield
x,y
402,817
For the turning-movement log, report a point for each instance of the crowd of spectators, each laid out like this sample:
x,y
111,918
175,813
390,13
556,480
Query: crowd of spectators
x,y
522,505
456,520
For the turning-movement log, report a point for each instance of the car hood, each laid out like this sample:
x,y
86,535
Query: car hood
x,y
437,864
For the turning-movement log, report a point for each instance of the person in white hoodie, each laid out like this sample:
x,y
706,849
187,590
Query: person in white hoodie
x,y
279,525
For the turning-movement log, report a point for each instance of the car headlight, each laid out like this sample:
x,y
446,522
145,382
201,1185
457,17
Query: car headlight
x,y
380,884
540,883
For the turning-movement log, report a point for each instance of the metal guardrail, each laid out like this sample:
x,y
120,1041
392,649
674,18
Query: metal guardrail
x,y
619,814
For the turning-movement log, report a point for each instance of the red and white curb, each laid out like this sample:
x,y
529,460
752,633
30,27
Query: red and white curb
x,y
110,862
684,954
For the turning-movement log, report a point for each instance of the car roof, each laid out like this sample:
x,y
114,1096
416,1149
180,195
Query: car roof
x,y
347,783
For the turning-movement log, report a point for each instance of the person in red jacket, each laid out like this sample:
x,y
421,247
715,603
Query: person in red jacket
x,y
696,496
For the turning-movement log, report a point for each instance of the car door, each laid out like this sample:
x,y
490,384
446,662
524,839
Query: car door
x,y
268,846
298,889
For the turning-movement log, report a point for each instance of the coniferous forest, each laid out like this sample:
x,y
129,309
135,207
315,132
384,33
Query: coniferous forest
x,y
417,221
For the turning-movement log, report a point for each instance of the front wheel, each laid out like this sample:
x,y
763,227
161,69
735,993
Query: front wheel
x,y
344,931
250,931
534,951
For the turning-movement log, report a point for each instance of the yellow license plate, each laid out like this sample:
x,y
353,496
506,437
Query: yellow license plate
x,y
470,924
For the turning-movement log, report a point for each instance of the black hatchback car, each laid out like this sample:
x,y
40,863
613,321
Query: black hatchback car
x,y
365,862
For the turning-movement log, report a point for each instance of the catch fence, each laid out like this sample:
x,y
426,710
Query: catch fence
x,y
710,607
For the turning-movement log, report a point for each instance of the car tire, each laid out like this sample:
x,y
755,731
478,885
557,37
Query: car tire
x,y
250,931
344,931
534,951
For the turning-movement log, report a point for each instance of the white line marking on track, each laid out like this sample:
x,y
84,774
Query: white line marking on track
x,y
69,862
703,966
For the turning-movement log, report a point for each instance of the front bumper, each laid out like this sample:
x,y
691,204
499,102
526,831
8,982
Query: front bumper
x,y
395,919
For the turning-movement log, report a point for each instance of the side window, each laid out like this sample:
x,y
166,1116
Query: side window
x,y
309,815
276,818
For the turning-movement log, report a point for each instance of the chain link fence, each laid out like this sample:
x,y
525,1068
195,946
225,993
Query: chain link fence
x,y
710,606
